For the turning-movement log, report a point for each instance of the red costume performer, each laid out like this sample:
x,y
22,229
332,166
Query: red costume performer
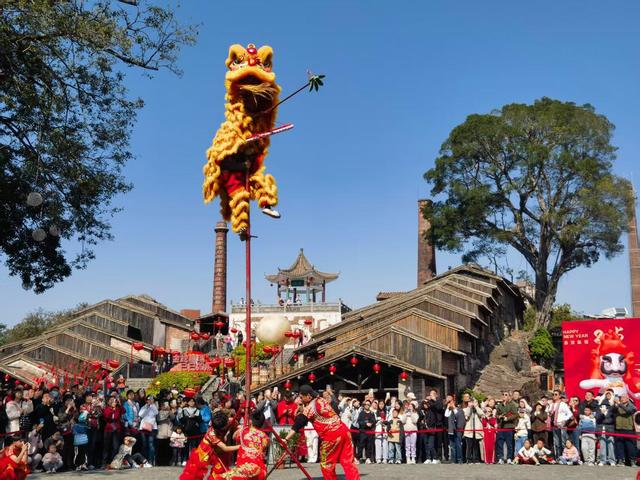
x,y
336,443
489,426
13,462
211,452
250,462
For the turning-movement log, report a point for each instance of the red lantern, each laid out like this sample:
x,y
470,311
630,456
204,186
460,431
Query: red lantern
x,y
287,385
96,365
219,324
320,355
295,357
215,362
204,336
189,392
195,336
233,330
308,321
175,353
377,368
332,369
275,349
297,334
354,361
288,334
404,376
159,351
113,363
267,349
137,346
7,377
312,377
229,362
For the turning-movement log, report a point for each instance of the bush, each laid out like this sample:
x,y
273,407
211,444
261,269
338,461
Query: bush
x,y
479,396
181,380
257,352
541,347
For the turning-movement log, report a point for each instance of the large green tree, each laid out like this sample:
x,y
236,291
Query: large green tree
x,y
65,122
537,178
35,323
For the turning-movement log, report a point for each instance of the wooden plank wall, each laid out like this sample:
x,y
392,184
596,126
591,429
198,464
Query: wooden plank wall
x,y
136,319
408,350
106,324
429,329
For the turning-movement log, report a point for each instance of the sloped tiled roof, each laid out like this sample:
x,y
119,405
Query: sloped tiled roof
x,y
301,268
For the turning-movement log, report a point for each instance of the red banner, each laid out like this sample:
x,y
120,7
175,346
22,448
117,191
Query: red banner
x,y
602,354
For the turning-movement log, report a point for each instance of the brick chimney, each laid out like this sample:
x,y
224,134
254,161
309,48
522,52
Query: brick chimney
x,y
426,252
219,301
634,262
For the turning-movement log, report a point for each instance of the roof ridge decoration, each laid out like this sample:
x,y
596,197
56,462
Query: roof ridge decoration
x,y
301,268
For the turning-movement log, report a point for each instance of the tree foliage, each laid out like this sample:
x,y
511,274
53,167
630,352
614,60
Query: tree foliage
x,y
66,120
36,323
559,313
541,347
181,380
537,178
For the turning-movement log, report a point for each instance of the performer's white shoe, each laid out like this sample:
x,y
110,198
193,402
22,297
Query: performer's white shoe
x,y
271,212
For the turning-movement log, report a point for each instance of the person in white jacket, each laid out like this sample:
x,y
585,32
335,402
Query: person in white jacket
x,y
409,420
559,412
16,408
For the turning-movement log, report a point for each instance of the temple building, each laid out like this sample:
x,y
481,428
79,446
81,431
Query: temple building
x,y
301,296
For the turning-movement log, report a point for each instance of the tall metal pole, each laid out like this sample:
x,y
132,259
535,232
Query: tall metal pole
x,y
247,363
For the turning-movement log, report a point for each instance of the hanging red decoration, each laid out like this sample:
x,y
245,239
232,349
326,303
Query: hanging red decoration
x,y
215,362
113,363
137,346
297,334
332,369
354,361
289,334
312,377
267,349
175,353
308,321
288,385
233,330
404,376
195,336
159,351
189,392
320,355
275,349
204,336
96,365
295,357
219,324
377,368
7,377
229,362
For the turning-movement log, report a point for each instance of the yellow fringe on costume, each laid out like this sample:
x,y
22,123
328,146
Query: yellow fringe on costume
x,y
249,83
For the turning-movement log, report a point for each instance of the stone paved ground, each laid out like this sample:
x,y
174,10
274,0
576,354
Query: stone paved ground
x,y
391,472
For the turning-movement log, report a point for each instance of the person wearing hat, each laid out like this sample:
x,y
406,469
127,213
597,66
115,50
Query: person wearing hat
x,y
336,444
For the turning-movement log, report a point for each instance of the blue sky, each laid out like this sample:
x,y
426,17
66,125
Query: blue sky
x,y
400,76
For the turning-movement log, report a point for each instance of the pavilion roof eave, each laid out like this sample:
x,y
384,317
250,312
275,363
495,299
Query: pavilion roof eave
x,y
301,268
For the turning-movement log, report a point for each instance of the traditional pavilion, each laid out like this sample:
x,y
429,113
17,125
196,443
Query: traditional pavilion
x,y
301,280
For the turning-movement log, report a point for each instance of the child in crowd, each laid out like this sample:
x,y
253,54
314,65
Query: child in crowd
x,y
542,454
80,431
570,455
587,428
526,454
52,460
409,421
394,425
177,442
522,429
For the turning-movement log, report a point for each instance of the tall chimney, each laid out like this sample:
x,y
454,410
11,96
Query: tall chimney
x,y
219,303
634,262
426,252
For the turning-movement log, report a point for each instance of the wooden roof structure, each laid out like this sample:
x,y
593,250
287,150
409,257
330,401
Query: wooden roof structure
x,y
442,330
103,331
301,269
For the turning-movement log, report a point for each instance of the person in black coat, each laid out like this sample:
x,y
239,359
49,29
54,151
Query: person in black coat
x,y
366,425
44,413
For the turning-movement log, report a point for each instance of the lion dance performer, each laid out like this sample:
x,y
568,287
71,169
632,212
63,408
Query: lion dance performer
x,y
13,461
336,441
253,443
251,96
212,451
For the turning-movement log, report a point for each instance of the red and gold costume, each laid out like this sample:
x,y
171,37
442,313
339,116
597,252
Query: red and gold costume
x,y
336,446
207,454
252,94
250,462
9,468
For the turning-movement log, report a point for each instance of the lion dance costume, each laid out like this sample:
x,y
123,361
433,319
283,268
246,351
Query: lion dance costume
x,y
612,366
251,96
204,456
336,446
250,462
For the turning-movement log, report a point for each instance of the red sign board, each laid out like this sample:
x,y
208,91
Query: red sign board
x,y
602,354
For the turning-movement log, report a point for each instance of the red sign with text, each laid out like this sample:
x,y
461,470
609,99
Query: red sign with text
x,y
602,354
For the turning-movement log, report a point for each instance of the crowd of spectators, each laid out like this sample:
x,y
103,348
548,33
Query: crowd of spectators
x,y
84,430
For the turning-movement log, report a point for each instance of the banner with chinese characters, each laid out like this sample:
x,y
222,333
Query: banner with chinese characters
x,y
602,354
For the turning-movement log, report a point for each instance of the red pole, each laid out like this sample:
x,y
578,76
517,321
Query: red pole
x,y
247,363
